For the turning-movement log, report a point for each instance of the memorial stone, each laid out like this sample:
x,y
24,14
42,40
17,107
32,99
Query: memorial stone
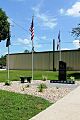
x,y
62,71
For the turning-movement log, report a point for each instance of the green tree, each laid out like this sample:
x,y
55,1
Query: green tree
x,y
3,60
4,25
76,31
26,51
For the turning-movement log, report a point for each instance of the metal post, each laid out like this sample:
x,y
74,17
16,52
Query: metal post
x,y
60,51
8,62
53,52
32,59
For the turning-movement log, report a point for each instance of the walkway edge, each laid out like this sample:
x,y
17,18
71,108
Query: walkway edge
x,y
67,108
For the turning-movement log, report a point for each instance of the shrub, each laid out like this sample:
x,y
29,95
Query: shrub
x,y
41,87
7,82
22,88
44,78
27,86
72,78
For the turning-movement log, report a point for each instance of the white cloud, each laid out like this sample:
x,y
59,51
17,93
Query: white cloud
x,y
61,11
46,20
28,43
65,49
24,41
76,43
73,11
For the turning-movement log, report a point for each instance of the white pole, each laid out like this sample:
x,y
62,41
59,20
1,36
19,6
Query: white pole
x,y
8,62
60,51
32,59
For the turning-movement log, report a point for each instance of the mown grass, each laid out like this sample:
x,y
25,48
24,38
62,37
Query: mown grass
x,y
51,75
14,106
15,75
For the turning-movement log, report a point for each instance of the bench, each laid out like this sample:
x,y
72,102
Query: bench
x,y
23,78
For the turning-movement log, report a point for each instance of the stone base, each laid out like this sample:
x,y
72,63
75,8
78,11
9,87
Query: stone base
x,y
63,81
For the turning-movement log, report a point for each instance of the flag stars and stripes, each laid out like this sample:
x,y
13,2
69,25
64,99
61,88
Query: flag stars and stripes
x,y
58,43
32,29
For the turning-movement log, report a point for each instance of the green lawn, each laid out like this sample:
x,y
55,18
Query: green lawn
x,y
15,75
14,106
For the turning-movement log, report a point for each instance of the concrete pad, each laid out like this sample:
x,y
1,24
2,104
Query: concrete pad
x,y
67,108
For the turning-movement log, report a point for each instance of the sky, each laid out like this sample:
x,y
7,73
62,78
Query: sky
x,y
50,16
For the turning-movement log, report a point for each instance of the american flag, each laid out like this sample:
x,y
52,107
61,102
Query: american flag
x,y
32,29
8,39
58,43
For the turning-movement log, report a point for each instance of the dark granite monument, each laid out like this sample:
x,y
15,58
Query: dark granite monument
x,y
62,70
62,77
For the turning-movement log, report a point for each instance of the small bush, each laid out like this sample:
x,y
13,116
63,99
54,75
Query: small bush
x,y
44,78
7,82
22,88
27,86
41,87
72,78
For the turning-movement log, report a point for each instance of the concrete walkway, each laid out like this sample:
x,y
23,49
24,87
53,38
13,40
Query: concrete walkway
x,y
67,108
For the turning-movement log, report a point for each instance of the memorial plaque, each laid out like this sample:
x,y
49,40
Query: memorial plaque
x,y
62,71
62,75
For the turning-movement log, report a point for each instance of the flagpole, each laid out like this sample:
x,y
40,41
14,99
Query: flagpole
x,y
60,51
32,59
8,62
53,52
7,45
32,36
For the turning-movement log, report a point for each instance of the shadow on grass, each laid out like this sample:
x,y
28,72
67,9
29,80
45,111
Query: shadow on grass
x,y
76,75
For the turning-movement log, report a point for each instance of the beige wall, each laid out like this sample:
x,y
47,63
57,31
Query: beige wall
x,y
44,60
72,59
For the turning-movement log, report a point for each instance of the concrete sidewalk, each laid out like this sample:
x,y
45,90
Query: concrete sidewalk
x,y
67,108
